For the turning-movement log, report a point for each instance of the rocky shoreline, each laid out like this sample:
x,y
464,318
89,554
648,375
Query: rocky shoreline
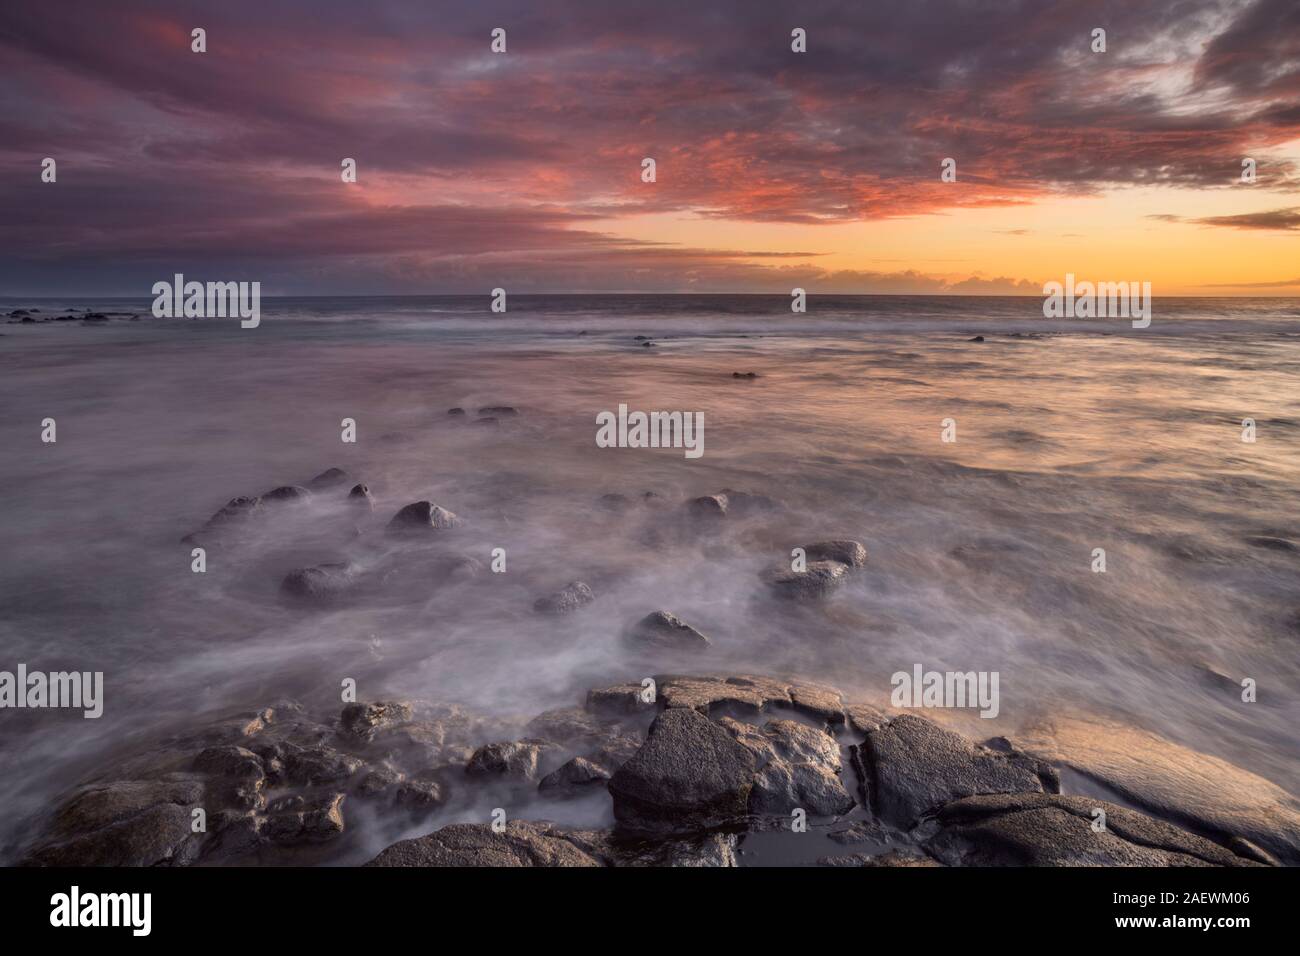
x,y
690,776
681,770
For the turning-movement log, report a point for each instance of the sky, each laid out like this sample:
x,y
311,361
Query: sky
x,y
773,168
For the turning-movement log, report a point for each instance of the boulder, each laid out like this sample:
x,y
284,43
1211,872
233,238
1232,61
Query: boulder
x,y
577,776
817,582
287,493
663,629
362,721
296,820
1173,782
911,767
360,498
851,553
320,584
574,596
478,844
329,478
423,516
1041,829
689,773
799,767
518,759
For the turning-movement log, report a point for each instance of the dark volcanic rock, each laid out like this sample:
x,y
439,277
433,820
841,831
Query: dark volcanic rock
x,y
816,583
423,516
477,844
519,759
574,596
690,773
913,767
799,767
579,775
847,552
363,721
1039,829
662,629
124,823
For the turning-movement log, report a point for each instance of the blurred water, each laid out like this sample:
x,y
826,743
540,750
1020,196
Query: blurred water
x,y
1071,436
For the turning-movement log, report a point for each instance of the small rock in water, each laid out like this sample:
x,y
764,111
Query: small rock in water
x,y
573,597
322,583
577,776
847,552
330,478
666,630
456,411
978,338
817,582
709,506
423,516
363,721
499,411
360,498
516,758
744,375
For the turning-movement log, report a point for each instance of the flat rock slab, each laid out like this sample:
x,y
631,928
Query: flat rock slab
x,y
1041,829
750,693
851,553
1173,781
913,767
690,773
477,844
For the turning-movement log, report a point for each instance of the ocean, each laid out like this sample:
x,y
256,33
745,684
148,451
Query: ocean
x,y
1070,436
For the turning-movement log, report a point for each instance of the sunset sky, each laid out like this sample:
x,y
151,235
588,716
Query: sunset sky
x,y
774,168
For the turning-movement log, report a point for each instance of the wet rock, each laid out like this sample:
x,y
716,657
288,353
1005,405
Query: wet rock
x,y
977,338
1173,782
477,844
1037,829
619,699
565,725
307,822
329,478
577,776
499,411
708,506
912,767
124,823
573,597
422,516
379,780
230,761
362,721
748,375
663,629
705,693
817,583
287,493
689,773
310,766
233,515
799,767
890,858
420,795
851,553
455,412
321,584
519,759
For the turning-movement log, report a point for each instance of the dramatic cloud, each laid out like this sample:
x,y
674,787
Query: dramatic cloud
x,y
511,168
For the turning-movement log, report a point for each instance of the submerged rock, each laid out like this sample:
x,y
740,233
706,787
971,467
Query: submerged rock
x,y
516,758
818,582
850,553
322,583
574,596
499,411
360,498
329,478
363,721
287,493
422,516
663,629
689,773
